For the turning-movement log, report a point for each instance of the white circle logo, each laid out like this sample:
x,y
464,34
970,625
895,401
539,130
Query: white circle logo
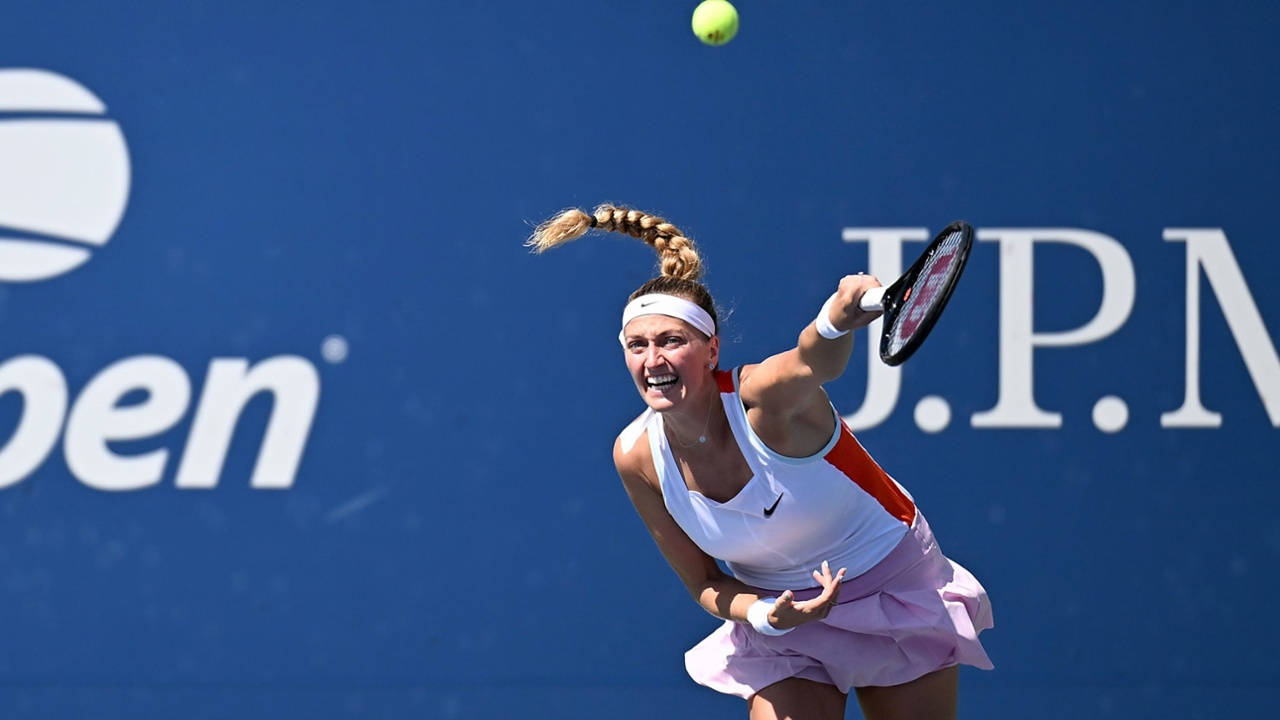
x,y
64,174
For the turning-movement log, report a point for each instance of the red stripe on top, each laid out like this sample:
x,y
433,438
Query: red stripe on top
x,y
849,458
724,379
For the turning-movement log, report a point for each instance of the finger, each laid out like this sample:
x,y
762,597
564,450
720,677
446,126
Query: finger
x,y
835,584
806,606
825,595
835,581
818,606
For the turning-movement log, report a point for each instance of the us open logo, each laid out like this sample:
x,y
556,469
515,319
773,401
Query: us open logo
x,y
64,185
64,175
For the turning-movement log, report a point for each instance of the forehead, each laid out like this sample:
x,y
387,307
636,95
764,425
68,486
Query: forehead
x,y
650,325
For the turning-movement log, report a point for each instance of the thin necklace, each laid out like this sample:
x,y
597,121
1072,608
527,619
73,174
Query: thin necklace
x,y
702,438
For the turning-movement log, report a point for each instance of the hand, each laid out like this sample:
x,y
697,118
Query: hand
x,y
787,613
844,311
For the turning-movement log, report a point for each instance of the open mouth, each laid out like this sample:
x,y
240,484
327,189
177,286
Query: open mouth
x,y
660,382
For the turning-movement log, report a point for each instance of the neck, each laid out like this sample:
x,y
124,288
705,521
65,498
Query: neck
x,y
699,421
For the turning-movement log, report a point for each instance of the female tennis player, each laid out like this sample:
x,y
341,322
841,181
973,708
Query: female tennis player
x,y
835,582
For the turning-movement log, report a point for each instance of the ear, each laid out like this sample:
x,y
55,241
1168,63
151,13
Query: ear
x,y
713,357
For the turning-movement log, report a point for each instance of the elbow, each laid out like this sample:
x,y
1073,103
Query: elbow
x,y
711,597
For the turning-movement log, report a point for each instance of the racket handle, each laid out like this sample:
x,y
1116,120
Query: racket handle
x,y
872,300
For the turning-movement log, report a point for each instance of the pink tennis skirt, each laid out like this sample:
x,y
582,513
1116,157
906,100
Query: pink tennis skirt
x,y
911,614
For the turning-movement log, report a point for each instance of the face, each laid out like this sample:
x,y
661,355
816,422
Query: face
x,y
668,359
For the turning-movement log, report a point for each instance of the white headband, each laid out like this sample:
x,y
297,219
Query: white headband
x,y
671,306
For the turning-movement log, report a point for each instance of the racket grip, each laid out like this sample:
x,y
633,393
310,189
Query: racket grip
x,y
872,300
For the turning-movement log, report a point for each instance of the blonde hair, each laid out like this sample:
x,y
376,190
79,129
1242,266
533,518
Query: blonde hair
x,y
677,256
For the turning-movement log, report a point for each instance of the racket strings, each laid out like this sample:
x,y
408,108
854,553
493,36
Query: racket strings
x,y
919,299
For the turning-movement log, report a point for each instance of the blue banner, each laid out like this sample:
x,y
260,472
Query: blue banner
x,y
293,425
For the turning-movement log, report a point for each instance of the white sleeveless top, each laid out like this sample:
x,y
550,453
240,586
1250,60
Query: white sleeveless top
x,y
836,505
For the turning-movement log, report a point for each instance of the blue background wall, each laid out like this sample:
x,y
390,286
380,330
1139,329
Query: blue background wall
x,y
455,542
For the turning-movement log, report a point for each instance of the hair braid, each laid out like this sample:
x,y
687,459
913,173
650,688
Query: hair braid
x,y
678,259
677,256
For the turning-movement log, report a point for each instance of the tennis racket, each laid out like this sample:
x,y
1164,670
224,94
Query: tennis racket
x,y
915,301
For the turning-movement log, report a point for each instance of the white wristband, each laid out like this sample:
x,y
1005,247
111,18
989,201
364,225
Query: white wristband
x,y
822,323
758,616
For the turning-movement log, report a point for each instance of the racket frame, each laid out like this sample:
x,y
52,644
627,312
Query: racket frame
x,y
893,296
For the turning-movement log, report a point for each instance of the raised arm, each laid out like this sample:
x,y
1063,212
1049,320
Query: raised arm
x,y
789,384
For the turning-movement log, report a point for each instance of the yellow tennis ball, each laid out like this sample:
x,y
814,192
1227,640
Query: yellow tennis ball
x,y
715,22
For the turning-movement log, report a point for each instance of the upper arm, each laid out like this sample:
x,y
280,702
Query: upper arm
x,y
789,384
782,386
694,566
786,405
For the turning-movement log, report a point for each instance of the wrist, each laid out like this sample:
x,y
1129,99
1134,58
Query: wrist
x,y
758,617
823,324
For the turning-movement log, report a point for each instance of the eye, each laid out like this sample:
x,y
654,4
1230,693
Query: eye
x,y
672,341
635,345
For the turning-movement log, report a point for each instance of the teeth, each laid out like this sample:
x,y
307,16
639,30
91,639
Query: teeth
x,y
660,380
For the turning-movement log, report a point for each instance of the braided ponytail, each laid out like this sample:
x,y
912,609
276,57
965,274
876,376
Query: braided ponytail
x,y
678,258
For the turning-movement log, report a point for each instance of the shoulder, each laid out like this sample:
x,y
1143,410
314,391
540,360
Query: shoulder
x,y
629,439
726,380
789,420
631,454
745,372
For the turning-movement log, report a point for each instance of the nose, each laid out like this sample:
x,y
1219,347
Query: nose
x,y
652,357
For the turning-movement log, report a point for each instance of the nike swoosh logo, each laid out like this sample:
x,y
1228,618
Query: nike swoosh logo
x,y
647,304
769,510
